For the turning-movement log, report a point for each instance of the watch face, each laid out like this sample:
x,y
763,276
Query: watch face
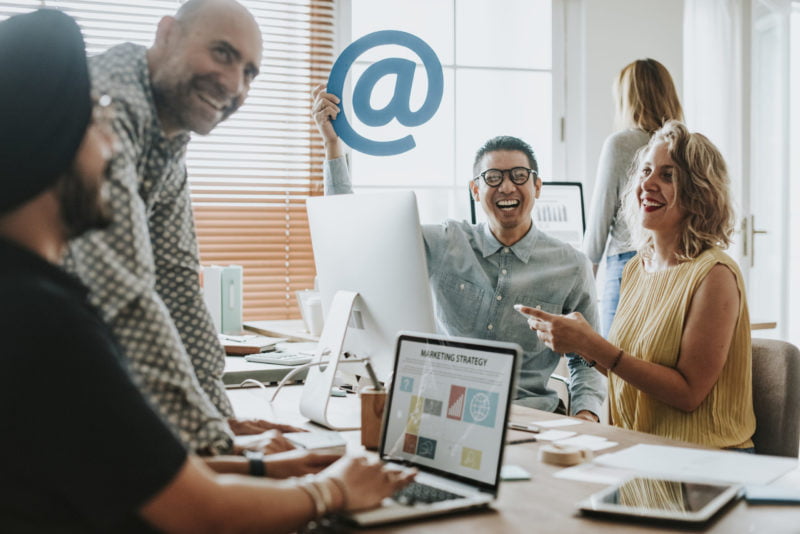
x,y
256,464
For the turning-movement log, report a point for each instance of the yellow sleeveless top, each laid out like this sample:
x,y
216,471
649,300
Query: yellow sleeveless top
x,y
649,324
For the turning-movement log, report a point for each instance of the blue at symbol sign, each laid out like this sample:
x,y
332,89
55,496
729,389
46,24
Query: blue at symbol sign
x,y
399,106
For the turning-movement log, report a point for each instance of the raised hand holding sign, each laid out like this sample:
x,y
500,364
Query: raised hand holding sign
x,y
399,106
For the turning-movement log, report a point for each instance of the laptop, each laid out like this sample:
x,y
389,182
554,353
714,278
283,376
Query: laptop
x,y
446,415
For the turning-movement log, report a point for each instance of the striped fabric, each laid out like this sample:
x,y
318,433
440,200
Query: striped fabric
x,y
650,320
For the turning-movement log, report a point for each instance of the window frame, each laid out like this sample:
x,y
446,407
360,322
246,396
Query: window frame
x,y
558,113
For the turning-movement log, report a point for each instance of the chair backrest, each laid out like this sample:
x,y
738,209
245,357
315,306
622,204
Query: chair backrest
x,y
776,397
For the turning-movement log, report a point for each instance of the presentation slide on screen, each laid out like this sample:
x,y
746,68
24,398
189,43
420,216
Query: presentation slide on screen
x,y
558,212
448,408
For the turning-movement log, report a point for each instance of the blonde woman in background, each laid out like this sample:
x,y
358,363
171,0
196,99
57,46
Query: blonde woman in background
x,y
645,98
679,348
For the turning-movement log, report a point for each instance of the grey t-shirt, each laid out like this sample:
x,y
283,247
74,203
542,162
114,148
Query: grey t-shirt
x,y
607,231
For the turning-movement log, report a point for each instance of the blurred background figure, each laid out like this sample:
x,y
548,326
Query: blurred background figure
x,y
645,99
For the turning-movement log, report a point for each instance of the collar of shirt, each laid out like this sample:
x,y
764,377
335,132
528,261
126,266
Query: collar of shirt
x,y
522,249
130,62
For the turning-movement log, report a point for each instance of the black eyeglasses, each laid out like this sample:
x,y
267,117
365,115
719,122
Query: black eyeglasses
x,y
517,175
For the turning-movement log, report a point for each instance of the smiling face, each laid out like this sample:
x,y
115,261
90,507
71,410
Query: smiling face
x,y
201,68
507,206
659,209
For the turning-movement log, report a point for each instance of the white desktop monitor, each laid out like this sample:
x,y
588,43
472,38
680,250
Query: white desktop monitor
x,y
371,243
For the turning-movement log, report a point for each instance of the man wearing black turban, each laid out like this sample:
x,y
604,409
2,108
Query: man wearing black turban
x,y
46,114
65,472
56,463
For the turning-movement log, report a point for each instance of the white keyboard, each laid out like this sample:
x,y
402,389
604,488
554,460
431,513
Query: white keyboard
x,y
279,358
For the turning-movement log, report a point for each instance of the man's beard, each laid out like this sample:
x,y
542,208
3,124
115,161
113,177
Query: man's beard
x,y
174,101
84,204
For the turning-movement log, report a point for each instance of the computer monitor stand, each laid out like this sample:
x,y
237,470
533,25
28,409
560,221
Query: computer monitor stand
x,y
320,379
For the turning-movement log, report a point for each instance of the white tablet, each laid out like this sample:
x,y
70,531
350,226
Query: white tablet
x,y
662,499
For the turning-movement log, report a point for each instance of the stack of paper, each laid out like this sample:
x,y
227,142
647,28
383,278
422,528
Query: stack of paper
x,y
684,463
248,344
323,442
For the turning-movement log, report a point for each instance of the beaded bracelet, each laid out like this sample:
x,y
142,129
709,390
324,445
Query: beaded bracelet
x,y
325,491
342,490
316,497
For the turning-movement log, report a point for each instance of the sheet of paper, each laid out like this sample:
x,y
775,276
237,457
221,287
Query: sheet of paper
x,y
553,435
789,480
595,443
555,423
586,439
591,472
682,463
772,495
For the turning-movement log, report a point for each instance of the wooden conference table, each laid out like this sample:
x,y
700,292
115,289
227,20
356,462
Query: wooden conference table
x,y
544,504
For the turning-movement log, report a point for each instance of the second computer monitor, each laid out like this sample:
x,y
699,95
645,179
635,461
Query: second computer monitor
x,y
371,243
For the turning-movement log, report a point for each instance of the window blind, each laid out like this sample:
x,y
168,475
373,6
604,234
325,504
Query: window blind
x,y
250,177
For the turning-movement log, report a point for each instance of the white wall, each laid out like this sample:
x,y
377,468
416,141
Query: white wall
x,y
793,329
602,36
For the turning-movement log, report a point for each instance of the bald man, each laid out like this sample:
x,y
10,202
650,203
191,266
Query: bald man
x,y
130,473
142,270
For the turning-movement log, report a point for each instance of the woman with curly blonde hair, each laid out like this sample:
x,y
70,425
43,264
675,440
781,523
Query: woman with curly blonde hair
x,y
645,98
678,355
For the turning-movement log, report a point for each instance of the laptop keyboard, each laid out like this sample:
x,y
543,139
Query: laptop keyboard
x,y
416,492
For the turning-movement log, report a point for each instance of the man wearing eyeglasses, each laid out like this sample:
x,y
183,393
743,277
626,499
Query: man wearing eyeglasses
x,y
479,271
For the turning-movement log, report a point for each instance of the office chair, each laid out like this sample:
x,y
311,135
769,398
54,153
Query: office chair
x,y
776,397
560,382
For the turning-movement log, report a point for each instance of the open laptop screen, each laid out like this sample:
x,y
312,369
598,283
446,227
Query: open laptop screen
x,y
448,405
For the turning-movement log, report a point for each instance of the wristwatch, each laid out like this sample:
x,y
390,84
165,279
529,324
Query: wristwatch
x,y
255,461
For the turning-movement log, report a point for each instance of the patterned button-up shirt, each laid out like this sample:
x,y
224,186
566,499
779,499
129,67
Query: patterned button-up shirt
x,y
142,271
476,280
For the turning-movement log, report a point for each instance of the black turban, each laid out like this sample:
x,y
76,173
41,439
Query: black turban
x,y
45,102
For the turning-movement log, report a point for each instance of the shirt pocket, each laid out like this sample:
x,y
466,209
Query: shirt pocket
x,y
460,302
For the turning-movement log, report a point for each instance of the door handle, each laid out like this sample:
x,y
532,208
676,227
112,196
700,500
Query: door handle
x,y
752,240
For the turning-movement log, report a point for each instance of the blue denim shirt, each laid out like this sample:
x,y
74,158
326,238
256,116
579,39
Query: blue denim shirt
x,y
476,281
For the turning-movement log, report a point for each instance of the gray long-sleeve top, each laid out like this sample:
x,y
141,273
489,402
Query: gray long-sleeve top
x,y
607,231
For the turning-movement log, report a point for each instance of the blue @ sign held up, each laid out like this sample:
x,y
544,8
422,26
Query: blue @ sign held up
x,y
399,106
